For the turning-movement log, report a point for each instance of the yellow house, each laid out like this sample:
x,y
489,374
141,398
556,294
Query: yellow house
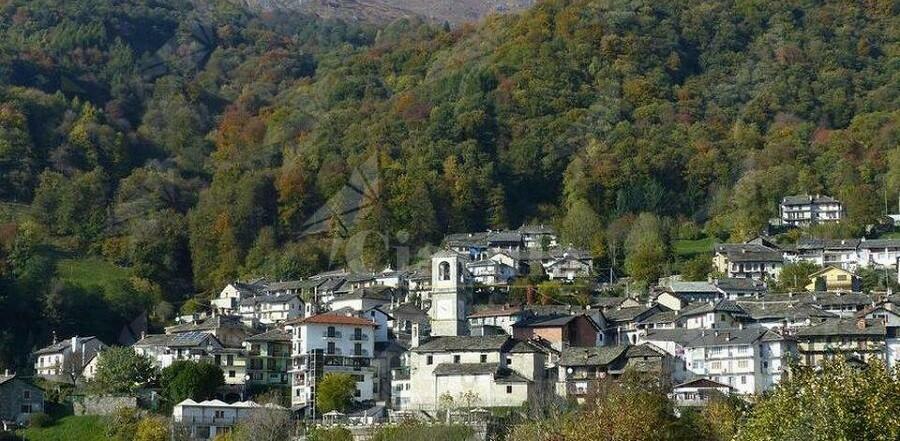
x,y
833,279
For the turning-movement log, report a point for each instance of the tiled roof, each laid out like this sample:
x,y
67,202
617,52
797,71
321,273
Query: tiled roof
x,y
331,319
707,307
371,292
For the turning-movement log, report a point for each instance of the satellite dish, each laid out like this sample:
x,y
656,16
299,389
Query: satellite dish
x,y
569,370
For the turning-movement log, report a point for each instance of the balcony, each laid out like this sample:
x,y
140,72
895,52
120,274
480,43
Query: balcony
x,y
360,353
360,337
205,420
335,334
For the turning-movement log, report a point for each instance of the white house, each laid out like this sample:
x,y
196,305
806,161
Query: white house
x,y
229,299
272,309
879,253
569,267
889,313
698,392
803,210
751,360
208,419
749,260
326,343
503,317
490,272
164,349
66,358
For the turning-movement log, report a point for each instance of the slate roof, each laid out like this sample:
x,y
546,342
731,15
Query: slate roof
x,y
465,343
680,336
626,314
794,311
594,356
827,244
607,302
803,199
293,284
728,306
274,335
729,284
880,243
497,311
507,375
661,317
371,293
466,369
183,339
748,252
873,328
728,337
212,323
700,287
408,309
704,383
536,229
552,321
271,298
62,345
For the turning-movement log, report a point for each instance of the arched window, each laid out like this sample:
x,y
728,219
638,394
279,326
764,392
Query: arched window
x,y
444,271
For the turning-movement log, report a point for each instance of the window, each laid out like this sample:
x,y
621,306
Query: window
x,y
742,364
331,332
484,358
26,394
444,271
509,389
715,365
26,408
331,349
220,414
743,379
456,358
230,359
231,374
765,365
509,361
429,360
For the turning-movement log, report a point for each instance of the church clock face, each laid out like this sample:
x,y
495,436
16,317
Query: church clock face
x,y
445,308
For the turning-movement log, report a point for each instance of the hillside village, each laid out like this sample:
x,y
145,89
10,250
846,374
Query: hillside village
x,y
415,339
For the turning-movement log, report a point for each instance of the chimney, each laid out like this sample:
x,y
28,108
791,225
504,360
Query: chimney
x,y
74,343
414,340
54,337
861,323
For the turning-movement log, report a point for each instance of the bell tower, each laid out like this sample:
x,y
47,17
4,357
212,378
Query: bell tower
x,y
449,292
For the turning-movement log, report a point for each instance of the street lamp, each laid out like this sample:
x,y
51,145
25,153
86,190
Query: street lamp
x,y
244,387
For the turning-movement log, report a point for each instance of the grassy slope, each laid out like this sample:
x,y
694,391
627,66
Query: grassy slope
x,y
688,248
70,428
88,272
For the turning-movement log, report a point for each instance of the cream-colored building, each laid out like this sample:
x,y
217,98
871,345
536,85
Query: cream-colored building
x,y
496,371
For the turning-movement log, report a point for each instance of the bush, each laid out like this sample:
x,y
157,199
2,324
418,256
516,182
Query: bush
x,y
39,420
415,431
332,434
9,436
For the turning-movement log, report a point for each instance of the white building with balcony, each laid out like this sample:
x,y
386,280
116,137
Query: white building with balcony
x,y
208,419
330,343
803,210
749,360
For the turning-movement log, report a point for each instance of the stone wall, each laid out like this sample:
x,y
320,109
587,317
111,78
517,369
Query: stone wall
x,y
102,405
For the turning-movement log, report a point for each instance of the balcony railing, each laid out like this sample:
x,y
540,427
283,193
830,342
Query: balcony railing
x,y
205,420
335,334
360,337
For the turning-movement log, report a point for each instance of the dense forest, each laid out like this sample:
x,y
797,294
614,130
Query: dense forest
x,y
190,142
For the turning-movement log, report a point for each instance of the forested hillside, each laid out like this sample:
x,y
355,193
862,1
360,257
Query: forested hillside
x,y
188,142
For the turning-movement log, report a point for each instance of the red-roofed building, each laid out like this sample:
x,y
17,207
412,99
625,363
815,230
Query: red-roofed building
x,y
330,343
